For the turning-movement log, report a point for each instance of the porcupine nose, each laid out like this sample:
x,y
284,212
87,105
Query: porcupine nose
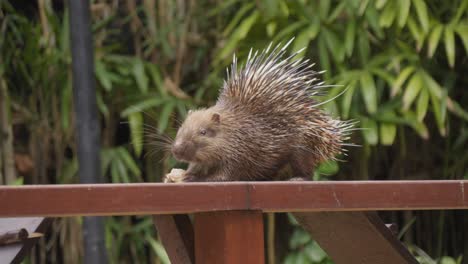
x,y
178,150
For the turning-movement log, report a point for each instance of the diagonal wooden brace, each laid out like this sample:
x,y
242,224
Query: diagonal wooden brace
x,y
355,238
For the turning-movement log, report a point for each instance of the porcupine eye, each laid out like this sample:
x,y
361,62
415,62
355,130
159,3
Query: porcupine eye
x,y
203,132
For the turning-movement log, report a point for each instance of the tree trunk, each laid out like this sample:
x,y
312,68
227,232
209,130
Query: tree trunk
x,y
6,136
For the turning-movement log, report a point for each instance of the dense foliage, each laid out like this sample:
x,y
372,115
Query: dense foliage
x,y
402,65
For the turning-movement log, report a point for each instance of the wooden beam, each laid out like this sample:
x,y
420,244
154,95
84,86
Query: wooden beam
x,y
229,237
355,238
15,253
176,233
159,198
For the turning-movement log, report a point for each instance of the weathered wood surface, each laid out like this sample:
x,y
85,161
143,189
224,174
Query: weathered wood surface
x,y
176,233
229,237
355,238
14,253
157,198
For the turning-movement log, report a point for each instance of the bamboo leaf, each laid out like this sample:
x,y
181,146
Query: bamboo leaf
x,y
388,15
347,99
462,30
140,76
369,92
412,90
237,18
165,116
416,32
335,45
379,4
450,45
434,38
422,104
403,12
370,131
439,113
350,37
102,75
142,106
128,161
402,77
421,10
323,56
158,249
419,127
239,34
387,133
135,121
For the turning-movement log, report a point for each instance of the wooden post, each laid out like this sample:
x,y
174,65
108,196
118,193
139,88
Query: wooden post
x,y
229,237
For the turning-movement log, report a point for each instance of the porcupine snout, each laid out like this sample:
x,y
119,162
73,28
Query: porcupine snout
x,y
182,150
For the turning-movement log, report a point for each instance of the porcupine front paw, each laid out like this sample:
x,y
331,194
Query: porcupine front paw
x,y
178,176
175,176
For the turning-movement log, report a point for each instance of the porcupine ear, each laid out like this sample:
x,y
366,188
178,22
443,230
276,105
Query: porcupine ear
x,y
216,118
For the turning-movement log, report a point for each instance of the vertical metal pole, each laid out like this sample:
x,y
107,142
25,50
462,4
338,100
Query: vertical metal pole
x,y
87,122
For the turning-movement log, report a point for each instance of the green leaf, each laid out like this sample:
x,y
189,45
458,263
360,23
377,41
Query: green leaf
x,y
239,34
432,85
350,36
65,104
303,38
347,99
129,161
314,252
299,238
334,44
363,46
142,106
369,92
387,133
412,90
158,249
388,15
462,30
434,38
419,127
102,75
372,18
135,121
416,32
438,107
403,12
402,77
323,56
165,116
328,168
324,8
339,9
140,75
370,131
450,45
237,18
421,10
379,4
447,260
422,104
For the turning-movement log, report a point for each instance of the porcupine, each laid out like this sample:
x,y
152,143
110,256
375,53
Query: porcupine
x,y
265,119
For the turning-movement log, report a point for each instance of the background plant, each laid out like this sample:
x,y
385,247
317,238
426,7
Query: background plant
x,y
403,64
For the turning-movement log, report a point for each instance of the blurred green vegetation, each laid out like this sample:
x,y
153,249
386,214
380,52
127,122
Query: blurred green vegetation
x,y
404,64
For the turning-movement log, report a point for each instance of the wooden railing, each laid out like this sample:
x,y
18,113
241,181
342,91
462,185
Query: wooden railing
x,y
228,223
